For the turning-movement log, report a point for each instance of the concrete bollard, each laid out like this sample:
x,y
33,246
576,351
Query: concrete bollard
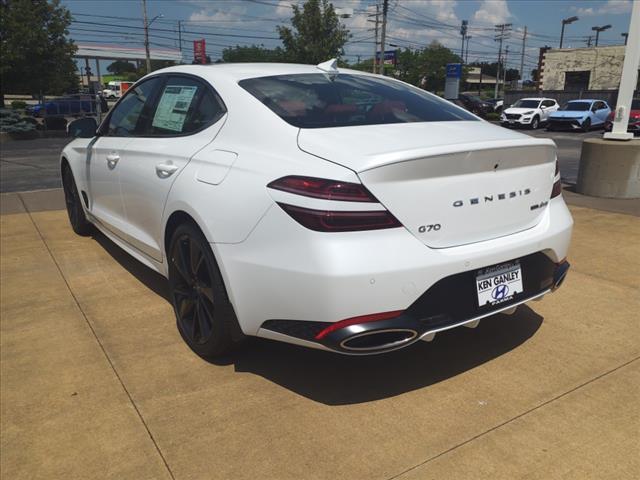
x,y
609,168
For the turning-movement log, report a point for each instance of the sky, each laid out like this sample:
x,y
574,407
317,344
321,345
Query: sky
x,y
411,23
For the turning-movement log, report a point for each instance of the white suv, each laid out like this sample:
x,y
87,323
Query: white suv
x,y
529,112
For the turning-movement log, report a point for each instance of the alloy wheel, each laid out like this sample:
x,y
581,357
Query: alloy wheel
x,y
192,289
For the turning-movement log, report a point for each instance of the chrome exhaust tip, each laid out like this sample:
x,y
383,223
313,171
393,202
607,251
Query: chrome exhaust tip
x,y
560,274
379,340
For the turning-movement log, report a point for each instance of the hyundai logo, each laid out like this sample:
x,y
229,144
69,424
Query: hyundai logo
x,y
500,291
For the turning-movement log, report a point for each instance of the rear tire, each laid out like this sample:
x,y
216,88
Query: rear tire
x,y
205,317
77,217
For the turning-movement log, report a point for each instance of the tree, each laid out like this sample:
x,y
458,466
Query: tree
x,y
121,66
317,33
491,69
37,55
425,67
254,53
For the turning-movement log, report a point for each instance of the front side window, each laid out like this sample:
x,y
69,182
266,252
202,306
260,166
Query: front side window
x,y
317,101
130,116
185,106
527,104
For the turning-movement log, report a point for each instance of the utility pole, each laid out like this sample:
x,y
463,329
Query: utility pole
x,y
180,35
375,41
626,37
463,32
589,41
146,35
504,71
385,9
466,52
502,32
524,38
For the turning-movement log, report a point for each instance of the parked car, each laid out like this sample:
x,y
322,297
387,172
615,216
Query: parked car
x,y
72,105
496,104
634,118
529,112
360,215
583,114
475,104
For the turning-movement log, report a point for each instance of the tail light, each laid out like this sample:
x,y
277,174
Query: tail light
x,y
333,220
324,189
557,185
340,221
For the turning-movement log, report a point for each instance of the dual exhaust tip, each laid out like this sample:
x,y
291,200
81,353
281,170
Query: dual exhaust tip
x,y
379,340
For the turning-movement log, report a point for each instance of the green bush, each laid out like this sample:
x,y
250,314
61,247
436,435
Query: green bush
x,y
11,122
18,105
492,116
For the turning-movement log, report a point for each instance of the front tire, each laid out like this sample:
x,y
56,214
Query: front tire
x,y
535,123
205,317
586,125
77,217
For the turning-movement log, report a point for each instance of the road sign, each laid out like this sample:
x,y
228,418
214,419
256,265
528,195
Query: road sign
x,y
200,51
454,70
390,57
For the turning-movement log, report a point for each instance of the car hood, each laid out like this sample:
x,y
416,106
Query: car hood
x,y
519,111
570,114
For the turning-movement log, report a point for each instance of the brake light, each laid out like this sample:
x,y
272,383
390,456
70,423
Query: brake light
x,y
375,317
324,189
341,221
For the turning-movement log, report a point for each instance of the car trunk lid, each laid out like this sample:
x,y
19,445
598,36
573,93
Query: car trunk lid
x,y
448,183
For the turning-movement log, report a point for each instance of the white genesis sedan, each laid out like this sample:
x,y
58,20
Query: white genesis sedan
x,y
327,208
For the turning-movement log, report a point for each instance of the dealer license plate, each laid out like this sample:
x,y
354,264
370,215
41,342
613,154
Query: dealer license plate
x,y
498,284
512,121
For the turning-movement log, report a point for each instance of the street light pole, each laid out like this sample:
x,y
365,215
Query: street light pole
x,y
566,21
598,30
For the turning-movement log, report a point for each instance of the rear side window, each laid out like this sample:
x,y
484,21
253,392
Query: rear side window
x,y
184,106
315,101
548,103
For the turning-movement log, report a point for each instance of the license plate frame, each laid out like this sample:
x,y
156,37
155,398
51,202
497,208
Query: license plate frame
x,y
498,284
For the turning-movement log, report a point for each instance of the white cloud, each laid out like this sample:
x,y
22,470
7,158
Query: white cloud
x,y
493,12
611,7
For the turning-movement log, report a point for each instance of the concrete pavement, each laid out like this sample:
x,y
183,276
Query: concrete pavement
x,y
96,382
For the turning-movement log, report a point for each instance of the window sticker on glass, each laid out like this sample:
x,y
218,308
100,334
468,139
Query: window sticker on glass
x,y
173,107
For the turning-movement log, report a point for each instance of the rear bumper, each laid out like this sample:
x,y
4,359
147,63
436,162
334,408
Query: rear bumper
x,y
286,272
450,303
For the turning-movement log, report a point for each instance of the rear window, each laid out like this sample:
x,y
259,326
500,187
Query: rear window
x,y
315,101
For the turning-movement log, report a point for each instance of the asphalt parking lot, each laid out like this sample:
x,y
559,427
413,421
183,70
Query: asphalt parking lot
x,y
97,383
33,165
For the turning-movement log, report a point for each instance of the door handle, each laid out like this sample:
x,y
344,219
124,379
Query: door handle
x,y
112,160
165,170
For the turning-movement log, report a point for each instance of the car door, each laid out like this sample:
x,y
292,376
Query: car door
x,y
549,107
187,116
602,112
104,160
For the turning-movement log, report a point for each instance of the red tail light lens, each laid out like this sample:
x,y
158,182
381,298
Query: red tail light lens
x,y
376,317
341,221
325,189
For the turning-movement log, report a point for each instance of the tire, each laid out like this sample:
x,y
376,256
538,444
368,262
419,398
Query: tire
x,y
586,125
205,317
75,211
535,123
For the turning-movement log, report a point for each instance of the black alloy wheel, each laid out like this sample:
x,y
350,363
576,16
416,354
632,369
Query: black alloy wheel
x,y
77,217
204,315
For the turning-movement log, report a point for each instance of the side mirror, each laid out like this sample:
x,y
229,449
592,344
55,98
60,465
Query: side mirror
x,y
82,128
542,107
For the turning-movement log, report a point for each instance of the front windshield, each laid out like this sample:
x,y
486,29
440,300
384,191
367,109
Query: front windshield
x,y
315,100
527,104
576,106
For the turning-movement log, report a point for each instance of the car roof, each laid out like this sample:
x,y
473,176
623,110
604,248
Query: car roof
x,y
240,71
590,100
